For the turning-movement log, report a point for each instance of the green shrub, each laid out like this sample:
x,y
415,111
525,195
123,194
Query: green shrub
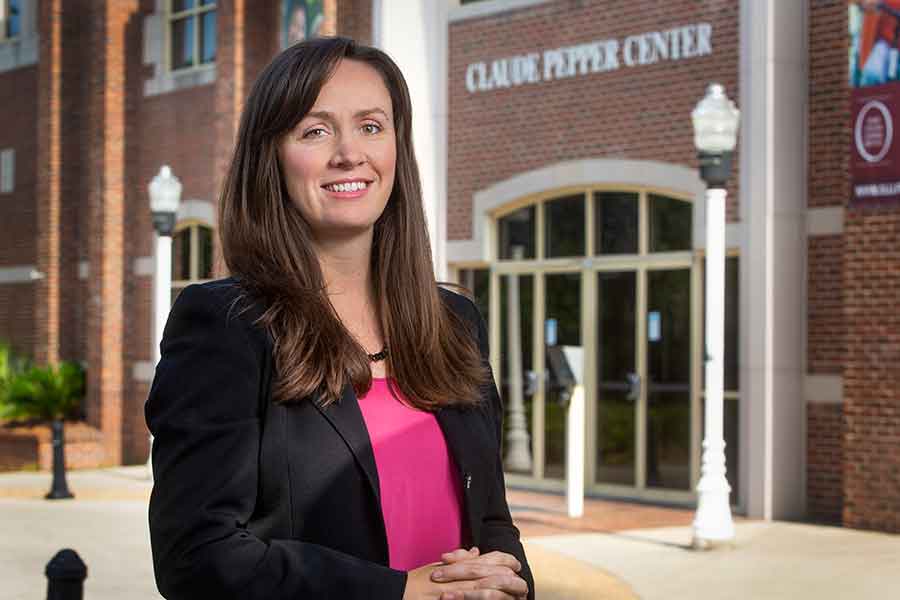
x,y
43,393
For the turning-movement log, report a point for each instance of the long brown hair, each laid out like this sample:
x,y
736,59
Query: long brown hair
x,y
267,245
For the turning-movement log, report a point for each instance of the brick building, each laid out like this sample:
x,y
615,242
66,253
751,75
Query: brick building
x,y
556,149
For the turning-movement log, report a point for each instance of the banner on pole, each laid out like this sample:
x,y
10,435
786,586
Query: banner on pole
x,y
874,77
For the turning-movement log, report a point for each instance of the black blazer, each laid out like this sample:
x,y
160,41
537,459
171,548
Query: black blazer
x,y
256,500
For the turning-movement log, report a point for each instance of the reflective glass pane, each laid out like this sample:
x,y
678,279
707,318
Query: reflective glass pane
x,y
205,252
478,282
13,19
516,364
615,223
668,379
181,255
616,392
670,224
208,37
182,43
562,333
564,227
732,323
516,233
207,2
180,5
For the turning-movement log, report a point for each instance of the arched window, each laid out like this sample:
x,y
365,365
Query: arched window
x,y
192,255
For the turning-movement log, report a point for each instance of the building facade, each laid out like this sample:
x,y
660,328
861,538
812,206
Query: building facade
x,y
555,143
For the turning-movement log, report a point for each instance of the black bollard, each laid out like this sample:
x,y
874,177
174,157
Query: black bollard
x,y
59,489
66,573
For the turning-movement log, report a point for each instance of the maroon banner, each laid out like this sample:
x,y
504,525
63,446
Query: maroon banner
x,y
875,152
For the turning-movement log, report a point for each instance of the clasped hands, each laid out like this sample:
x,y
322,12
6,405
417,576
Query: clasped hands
x,y
468,575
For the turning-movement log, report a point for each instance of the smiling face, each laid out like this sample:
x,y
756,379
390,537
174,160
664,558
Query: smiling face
x,y
339,161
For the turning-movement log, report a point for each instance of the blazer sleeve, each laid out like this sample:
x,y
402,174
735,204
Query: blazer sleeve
x,y
203,411
497,529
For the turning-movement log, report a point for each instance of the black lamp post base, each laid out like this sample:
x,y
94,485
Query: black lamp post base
x,y
59,490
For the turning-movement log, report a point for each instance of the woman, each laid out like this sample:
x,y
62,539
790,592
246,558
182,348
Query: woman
x,y
325,421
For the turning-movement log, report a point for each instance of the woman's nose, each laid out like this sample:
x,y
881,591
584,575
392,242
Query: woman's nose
x,y
347,153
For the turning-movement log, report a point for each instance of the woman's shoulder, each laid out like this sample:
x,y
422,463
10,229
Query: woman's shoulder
x,y
224,301
459,303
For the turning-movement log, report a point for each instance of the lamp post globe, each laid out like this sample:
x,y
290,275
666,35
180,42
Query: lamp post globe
x,y
165,196
715,120
715,136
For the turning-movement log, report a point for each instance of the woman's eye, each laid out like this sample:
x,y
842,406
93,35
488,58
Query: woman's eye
x,y
314,132
371,128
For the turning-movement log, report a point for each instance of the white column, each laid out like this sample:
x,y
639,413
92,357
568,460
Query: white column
x,y
162,299
517,443
414,34
773,165
712,522
162,290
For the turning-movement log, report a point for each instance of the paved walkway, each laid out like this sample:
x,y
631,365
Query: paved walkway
x,y
617,551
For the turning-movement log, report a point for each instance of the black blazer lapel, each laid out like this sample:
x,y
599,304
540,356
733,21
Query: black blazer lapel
x,y
347,420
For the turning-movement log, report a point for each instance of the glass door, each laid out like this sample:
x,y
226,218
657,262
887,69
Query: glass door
x,y
643,391
618,390
668,343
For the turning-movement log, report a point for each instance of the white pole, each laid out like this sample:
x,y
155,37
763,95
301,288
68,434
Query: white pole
x,y
518,452
162,294
575,453
713,522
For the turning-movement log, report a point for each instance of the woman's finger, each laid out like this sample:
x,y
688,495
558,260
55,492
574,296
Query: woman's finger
x,y
468,570
501,558
508,584
459,554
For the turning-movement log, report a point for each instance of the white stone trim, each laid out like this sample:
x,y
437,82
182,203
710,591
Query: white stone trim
x,y
84,269
20,274
199,210
142,371
588,172
773,69
22,51
823,389
144,266
825,221
164,80
488,8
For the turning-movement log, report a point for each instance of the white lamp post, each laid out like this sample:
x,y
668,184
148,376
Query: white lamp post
x,y
715,135
165,195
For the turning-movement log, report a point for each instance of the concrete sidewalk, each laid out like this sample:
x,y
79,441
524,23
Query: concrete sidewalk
x,y
106,524
603,558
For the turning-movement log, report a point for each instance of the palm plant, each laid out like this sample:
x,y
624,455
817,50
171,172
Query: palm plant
x,y
43,393
48,394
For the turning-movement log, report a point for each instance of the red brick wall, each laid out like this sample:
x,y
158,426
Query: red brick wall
x,y
824,462
354,19
638,113
872,369
829,104
826,347
18,130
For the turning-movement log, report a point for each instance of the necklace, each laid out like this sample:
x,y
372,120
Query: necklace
x,y
379,356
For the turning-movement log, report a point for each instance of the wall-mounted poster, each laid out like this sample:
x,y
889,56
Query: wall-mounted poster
x,y
874,61
300,20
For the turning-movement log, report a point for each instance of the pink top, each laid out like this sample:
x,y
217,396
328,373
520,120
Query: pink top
x,y
418,479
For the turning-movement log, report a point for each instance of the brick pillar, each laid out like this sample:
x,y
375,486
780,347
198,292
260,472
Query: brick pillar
x,y
871,371
49,184
329,17
229,93
354,19
106,203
